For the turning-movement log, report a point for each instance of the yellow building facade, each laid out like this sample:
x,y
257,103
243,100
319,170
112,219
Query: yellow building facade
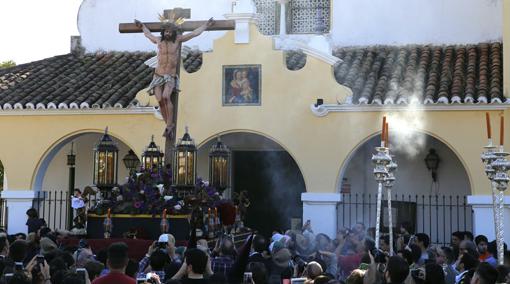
x,y
320,138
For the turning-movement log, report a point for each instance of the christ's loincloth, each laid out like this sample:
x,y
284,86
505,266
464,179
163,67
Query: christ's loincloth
x,y
159,80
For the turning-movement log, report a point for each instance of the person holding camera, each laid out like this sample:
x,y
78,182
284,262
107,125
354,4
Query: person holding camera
x,y
224,260
166,245
157,262
36,271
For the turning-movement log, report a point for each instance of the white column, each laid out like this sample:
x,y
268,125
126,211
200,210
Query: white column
x,y
283,17
483,218
320,209
244,13
18,202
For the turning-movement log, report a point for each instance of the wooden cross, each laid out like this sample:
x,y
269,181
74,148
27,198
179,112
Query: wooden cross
x,y
219,25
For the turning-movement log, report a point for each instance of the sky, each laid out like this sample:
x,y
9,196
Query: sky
x,y
31,30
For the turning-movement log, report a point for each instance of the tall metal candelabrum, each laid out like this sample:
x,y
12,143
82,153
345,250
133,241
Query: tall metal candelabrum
x,y
500,180
488,157
389,181
381,160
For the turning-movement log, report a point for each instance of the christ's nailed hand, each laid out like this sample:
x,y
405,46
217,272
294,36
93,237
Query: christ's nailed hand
x,y
210,22
138,23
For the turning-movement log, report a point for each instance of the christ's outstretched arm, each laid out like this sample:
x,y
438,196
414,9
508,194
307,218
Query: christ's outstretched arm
x,y
196,32
147,32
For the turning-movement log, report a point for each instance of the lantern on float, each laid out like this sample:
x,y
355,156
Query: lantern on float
x,y
219,166
185,163
105,163
152,156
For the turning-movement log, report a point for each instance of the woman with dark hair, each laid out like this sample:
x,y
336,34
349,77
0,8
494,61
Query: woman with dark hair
x,y
34,223
434,274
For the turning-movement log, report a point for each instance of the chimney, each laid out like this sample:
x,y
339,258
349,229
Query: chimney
x,y
76,47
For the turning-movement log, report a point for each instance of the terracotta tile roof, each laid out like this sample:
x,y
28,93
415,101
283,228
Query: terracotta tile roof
x,y
376,75
71,81
428,74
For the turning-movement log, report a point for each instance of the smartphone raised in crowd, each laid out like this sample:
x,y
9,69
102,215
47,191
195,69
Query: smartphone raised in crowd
x,y
82,272
297,280
18,266
8,277
248,278
40,259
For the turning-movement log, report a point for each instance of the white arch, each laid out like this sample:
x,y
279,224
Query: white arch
x,y
45,161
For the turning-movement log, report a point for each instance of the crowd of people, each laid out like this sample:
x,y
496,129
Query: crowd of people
x,y
293,256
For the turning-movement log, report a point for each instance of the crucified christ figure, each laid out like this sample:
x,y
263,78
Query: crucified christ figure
x,y
166,80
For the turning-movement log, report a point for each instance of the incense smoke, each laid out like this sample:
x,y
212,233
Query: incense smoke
x,y
406,129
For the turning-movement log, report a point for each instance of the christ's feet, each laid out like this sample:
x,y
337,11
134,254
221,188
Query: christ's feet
x,y
169,131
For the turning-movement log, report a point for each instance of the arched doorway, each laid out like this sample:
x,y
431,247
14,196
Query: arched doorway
x,y
436,208
52,177
269,174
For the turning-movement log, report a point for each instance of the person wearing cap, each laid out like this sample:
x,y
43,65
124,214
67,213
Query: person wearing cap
x,y
165,243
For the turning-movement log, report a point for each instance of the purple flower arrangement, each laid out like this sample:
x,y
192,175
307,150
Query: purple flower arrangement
x,y
151,191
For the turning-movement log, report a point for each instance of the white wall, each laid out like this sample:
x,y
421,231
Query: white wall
x,y
98,21
355,22
399,22
57,175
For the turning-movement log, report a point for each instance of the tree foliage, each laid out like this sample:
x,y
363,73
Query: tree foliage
x,y
7,64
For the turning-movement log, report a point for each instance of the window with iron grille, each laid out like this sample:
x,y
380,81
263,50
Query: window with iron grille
x,y
269,16
303,16
309,16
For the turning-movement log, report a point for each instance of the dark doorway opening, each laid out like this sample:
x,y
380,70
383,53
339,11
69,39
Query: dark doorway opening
x,y
274,184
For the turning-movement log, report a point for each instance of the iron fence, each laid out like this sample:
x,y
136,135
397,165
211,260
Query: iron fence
x,y
54,206
436,215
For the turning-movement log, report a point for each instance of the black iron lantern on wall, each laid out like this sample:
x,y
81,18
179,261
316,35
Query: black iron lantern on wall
x,y
105,162
71,157
131,161
185,162
432,161
152,156
219,166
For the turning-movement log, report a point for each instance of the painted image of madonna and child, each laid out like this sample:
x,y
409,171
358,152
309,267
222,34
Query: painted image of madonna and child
x,y
241,85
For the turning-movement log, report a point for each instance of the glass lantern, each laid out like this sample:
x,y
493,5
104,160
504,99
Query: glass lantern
x,y
219,166
105,162
152,156
185,162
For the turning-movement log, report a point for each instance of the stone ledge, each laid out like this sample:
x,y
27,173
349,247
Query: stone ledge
x,y
484,200
18,194
310,197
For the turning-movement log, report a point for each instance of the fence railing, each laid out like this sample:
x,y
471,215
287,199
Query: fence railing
x,y
436,215
53,206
